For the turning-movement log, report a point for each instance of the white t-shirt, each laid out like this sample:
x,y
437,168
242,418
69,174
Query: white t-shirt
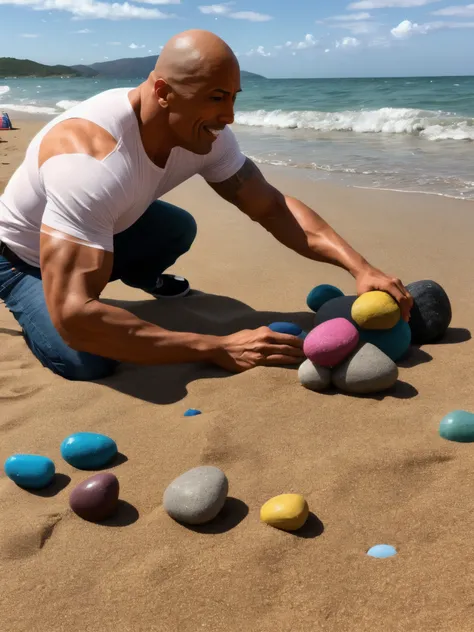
x,y
95,199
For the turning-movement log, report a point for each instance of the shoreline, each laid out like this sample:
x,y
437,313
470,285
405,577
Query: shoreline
x,y
33,122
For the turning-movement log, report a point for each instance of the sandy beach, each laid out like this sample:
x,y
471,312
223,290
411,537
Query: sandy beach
x,y
373,469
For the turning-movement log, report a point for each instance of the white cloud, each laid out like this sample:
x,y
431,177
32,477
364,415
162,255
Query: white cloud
x,y
29,35
348,42
406,29
260,50
466,11
308,42
93,9
135,46
326,50
83,31
388,4
225,9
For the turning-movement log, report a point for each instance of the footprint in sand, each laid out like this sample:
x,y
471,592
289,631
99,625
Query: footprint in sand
x,y
32,539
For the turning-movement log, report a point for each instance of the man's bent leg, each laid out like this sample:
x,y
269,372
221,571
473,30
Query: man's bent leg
x,y
23,295
150,246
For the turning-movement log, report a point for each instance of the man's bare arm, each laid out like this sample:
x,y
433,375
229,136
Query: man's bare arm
x,y
293,223
74,276
300,228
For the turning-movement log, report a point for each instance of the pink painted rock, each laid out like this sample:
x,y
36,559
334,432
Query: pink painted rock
x,y
331,342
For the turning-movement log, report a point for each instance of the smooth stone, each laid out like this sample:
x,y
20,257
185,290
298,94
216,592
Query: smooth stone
x,y
96,498
31,471
457,425
88,450
367,370
431,313
288,512
321,294
286,328
314,377
382,551
192,412
375,310
394,342
329,343
197,496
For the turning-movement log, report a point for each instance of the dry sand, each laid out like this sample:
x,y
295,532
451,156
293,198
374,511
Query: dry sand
x,y
374,470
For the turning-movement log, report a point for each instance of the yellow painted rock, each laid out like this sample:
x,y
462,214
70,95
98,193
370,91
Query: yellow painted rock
x,y
375,310
287,511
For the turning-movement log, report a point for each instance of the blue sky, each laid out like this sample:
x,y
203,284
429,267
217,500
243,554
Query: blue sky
x,y
277,38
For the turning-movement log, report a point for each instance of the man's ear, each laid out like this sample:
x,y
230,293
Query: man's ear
x,y
162,92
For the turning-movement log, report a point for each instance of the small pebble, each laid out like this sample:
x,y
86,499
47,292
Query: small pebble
x,y
288,512
457,425
331,342
382,551
96,498
88,450
314,377
192,412
286,328
322,294
197,496
30,471
375,310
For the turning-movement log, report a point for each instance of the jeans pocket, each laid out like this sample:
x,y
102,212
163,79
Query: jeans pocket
x,y
9,276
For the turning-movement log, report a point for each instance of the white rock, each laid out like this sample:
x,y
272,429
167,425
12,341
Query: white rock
x,y
367,370
314,377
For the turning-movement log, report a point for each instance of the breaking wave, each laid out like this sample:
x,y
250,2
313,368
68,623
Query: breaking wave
x,y
423,123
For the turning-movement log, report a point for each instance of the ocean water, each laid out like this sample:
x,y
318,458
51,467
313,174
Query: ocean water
x,y
412,134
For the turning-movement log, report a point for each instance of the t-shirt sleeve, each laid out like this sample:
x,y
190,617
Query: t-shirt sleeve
x,y
225,158
83,198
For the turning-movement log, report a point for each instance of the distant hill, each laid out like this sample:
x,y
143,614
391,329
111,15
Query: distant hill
x,y
131,68
11,67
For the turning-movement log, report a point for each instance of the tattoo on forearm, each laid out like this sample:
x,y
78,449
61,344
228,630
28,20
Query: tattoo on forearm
x,y
229,189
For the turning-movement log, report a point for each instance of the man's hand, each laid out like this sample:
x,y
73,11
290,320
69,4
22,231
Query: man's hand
x,y
372,279
257,347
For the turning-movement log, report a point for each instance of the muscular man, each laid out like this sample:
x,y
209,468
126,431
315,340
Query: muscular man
x,y
83,210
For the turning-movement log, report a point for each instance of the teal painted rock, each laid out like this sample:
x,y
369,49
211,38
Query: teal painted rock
x,y
88,450
458,425
30,471
322,294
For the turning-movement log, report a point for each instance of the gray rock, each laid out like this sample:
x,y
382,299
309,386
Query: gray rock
x,y
431,314
197,496
367,370
314,377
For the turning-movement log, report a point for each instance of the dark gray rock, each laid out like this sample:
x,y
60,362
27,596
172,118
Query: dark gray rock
x,y
431,314
340,307
367,370
314,377
197,496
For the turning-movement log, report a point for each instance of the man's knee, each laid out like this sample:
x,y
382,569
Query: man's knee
x,y
189,230
73,365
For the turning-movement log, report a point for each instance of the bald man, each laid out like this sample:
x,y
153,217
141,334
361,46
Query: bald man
x,y
83,209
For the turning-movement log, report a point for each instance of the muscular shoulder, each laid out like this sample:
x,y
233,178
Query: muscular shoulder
x,y
76,136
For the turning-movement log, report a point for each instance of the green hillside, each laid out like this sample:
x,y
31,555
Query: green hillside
x,y
11,67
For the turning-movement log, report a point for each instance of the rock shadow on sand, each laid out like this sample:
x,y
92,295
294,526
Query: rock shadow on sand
x,y
59,482
231,515
198,313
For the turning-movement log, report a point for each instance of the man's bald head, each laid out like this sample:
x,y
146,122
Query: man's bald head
x,y
194,56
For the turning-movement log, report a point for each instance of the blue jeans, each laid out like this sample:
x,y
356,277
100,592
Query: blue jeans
x,y
141,253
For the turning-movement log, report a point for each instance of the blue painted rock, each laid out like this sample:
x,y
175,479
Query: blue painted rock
x,y
382,551
321,294
314,377
367,370
457,425
192,412
96,498
30,471
394,342
431,313
197,496
88,450
286,328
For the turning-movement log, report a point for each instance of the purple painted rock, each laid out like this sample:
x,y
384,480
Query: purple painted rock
x,y
331,342
96,498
